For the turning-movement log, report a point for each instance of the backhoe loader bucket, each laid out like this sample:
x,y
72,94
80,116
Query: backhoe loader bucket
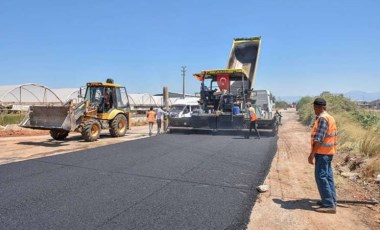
x,y
48,117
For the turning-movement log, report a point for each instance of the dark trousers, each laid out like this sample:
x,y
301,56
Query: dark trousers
x,y
324,177
158,125
253,125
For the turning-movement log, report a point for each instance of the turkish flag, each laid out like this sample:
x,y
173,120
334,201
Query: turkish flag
x,y
223,81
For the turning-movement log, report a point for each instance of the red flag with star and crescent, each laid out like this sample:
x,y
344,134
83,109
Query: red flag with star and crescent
x,y
223,81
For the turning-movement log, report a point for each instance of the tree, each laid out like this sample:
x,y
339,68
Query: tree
x,y
281,104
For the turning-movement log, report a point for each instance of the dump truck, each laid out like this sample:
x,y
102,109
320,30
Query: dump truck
x,y
225,93
105,106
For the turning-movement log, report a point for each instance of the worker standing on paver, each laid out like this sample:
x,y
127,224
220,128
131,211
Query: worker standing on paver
x,y
151,116
323,147
253,119
235,109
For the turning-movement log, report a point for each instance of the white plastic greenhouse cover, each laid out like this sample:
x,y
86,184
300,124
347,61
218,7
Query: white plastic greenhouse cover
x,y
20,96
147,100
27,94
66,94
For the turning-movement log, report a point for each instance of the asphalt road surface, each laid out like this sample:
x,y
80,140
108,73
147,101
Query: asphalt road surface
x,y
170,181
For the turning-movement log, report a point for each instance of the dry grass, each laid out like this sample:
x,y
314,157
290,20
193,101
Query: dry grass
x,y
370,145
372,168
354,138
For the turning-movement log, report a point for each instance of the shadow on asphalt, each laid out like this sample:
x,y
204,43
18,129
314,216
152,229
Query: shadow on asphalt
x,y
56,143
49,143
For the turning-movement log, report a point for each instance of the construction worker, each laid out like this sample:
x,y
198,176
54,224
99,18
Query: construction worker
x,y
235,109
107,99
253,119
323,147
151,116
160,117
278,115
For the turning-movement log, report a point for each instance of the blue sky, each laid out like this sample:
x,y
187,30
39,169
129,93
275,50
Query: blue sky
x,y
307,46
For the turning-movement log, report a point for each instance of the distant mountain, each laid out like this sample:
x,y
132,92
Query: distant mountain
x,y
362,96
288,99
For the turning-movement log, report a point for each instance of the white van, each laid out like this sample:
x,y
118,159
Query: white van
x,y
184,107
263,100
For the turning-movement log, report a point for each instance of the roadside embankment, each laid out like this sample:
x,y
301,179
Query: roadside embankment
x,y
293,193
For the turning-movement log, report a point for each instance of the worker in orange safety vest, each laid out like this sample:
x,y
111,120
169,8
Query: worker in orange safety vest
x,y
253,120
151,117
324,143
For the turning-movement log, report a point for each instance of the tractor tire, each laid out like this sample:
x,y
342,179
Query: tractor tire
x,y
59,134
91,131
118,126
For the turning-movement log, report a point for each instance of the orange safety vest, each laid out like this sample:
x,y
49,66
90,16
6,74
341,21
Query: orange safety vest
x,y
151,115
331,139
252,113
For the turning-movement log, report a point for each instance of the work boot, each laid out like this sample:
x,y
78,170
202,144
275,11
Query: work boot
x,y
331,210
320,203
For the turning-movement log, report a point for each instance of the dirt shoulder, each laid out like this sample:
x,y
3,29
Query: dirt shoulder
x,y
289,202
25,144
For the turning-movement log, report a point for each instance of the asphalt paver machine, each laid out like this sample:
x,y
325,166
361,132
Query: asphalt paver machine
x,y
105,106
225,93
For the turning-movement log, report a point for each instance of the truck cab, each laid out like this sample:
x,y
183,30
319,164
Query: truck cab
x,y
264,102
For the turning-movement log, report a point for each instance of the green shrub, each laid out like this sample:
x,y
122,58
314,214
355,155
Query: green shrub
x,y
367,120
7,119
339,104
281,104
305,110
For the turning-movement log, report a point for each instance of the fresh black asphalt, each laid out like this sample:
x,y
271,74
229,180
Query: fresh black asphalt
x,y
170,181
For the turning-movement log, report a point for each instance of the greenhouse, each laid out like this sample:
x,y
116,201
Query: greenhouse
x,y
20,97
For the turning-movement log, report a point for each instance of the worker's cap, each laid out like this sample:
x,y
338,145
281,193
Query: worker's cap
x,y
319,101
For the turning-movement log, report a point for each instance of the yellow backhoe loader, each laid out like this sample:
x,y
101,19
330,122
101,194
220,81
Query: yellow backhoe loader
x,y
105,106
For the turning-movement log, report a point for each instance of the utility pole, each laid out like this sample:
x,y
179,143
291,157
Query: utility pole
x,y
183,81
166,98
